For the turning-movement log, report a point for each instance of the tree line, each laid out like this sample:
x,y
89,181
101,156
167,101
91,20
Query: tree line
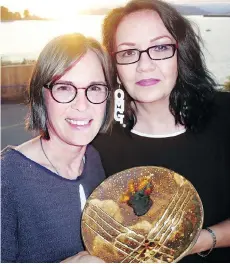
x,y
7,15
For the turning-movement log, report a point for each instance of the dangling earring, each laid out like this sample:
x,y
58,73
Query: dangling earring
x,y
119,105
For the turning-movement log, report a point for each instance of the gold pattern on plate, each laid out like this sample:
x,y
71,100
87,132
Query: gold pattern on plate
x,y
165,233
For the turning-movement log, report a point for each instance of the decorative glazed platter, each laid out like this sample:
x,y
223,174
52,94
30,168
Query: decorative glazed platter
x,y
143,214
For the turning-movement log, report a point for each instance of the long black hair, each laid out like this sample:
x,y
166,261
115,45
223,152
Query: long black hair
x,y
191,98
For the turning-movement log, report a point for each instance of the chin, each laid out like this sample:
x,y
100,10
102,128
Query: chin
x,y
151,98
148,99
79,141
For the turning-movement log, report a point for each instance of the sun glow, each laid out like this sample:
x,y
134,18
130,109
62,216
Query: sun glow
x,y
67,9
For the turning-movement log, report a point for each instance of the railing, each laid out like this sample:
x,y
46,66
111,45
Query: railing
x,y
14,81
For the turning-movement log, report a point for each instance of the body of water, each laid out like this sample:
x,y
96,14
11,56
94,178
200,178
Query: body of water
x,y
25,39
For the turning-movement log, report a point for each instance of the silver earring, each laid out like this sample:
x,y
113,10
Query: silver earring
x,y
119,105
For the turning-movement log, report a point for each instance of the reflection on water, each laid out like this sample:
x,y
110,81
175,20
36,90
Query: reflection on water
x,y
25,39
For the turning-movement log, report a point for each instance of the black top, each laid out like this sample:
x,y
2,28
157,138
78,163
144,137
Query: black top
x,y
41,211
203,158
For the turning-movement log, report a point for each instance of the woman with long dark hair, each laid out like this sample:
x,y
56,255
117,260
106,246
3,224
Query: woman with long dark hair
x,y
171,116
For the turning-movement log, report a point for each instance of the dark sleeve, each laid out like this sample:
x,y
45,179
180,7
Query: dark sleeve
x,y
9,220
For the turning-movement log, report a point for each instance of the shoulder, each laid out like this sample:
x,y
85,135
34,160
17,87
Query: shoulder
x,y
10,164
222,99
222,108
16,160
114,138
218,125
8,156
14,156
30,148
113,148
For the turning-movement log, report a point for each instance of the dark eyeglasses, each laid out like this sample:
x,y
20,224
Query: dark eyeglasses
x,y
157,52
65,92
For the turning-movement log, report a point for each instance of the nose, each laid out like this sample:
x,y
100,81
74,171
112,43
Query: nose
x,y
80,103
145,64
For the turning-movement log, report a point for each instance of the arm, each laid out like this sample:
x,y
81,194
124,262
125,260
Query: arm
x,y
205,240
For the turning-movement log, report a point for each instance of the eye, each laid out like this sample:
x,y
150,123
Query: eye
x,y
62,87
161,47
96,88
129,53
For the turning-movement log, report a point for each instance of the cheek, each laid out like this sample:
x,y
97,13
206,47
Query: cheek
x,y
126,72
169,69
98,112
53,108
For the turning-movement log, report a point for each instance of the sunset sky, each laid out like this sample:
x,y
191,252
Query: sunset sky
x,y
68,8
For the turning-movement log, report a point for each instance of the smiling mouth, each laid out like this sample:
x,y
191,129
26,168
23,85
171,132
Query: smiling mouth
x,y
148,82
80,123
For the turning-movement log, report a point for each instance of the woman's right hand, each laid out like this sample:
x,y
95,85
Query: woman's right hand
x,y
83,257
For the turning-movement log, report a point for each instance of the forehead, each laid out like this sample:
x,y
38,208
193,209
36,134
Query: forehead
x,y
141,26
87,68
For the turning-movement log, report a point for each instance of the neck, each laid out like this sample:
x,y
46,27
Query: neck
x,y
66,159
155,118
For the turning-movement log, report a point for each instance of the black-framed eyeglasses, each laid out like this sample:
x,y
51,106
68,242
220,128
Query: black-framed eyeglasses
x,y
157,52
66,92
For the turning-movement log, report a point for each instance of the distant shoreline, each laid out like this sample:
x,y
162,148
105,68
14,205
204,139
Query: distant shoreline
x,y
100,14
32,19
216,15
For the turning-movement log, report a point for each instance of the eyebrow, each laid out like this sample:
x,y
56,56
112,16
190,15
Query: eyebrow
x,y
68,82
160,37
134,44
92,83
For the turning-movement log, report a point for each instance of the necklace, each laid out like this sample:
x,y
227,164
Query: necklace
x,y
81,166
47,157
